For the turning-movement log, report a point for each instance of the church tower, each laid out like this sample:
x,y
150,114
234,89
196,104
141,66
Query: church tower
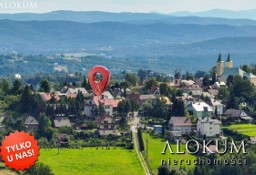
x,y
220,66
229,62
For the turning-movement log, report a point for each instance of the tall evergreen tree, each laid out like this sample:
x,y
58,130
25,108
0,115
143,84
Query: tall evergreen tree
x,y
45,86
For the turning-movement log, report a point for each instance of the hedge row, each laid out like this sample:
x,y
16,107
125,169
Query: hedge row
x,y
140,139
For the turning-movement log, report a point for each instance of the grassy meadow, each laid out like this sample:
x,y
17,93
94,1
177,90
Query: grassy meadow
x,y
245,129
90,161
155,147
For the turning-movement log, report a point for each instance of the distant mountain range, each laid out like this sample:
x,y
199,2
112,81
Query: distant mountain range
x,y
37,36
215,17
149,39
244,14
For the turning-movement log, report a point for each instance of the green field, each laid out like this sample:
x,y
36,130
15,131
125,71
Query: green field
x,y
90,161
155,147
246,129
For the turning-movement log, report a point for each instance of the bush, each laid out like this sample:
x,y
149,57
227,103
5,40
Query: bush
x,y
140,140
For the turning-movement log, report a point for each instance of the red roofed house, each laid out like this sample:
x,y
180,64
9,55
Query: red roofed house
x,y
71,95
48,96
109,104
182,124
106,125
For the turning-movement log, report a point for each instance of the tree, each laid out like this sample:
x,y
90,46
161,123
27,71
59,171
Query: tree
x,y
5,86
150,83
163,170
17,87
189,76
127,106
85,83
178,108
80,100
134,106
214,79
206,81
142,73
223,93
44,129
25,100
131,78
160,110
38,169
45,86
230,80
164,89
123,123
233,102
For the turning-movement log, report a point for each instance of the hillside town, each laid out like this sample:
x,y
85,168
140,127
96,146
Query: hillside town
x,y
175,107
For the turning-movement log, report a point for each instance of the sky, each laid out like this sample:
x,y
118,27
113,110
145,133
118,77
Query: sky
x,y
162,6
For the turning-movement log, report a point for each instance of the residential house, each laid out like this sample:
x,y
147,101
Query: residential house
x,y
253,140
176,80
154,90
201,109
182,124
175,135
110,105
236,114
106,125
61,122
213,92
218,85
107,95
187,99
48,96
187,82
216,106
208,127
31,123
76,90
207,94
194,90
134,96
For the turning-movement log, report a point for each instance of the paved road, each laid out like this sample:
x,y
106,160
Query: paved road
x,y
134,128
134,124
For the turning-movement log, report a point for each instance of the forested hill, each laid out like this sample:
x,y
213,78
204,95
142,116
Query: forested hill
x,y
43,36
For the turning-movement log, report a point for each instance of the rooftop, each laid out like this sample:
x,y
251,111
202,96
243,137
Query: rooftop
x,y
199,106
31,121
62,122
180,121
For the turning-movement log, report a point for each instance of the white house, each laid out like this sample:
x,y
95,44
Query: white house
x,y
106,125
182,124
201,109
215,104
218,85
208,127
106,99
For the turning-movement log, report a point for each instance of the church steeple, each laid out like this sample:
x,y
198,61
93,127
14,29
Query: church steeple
x,y
220,66
229,62
219,59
